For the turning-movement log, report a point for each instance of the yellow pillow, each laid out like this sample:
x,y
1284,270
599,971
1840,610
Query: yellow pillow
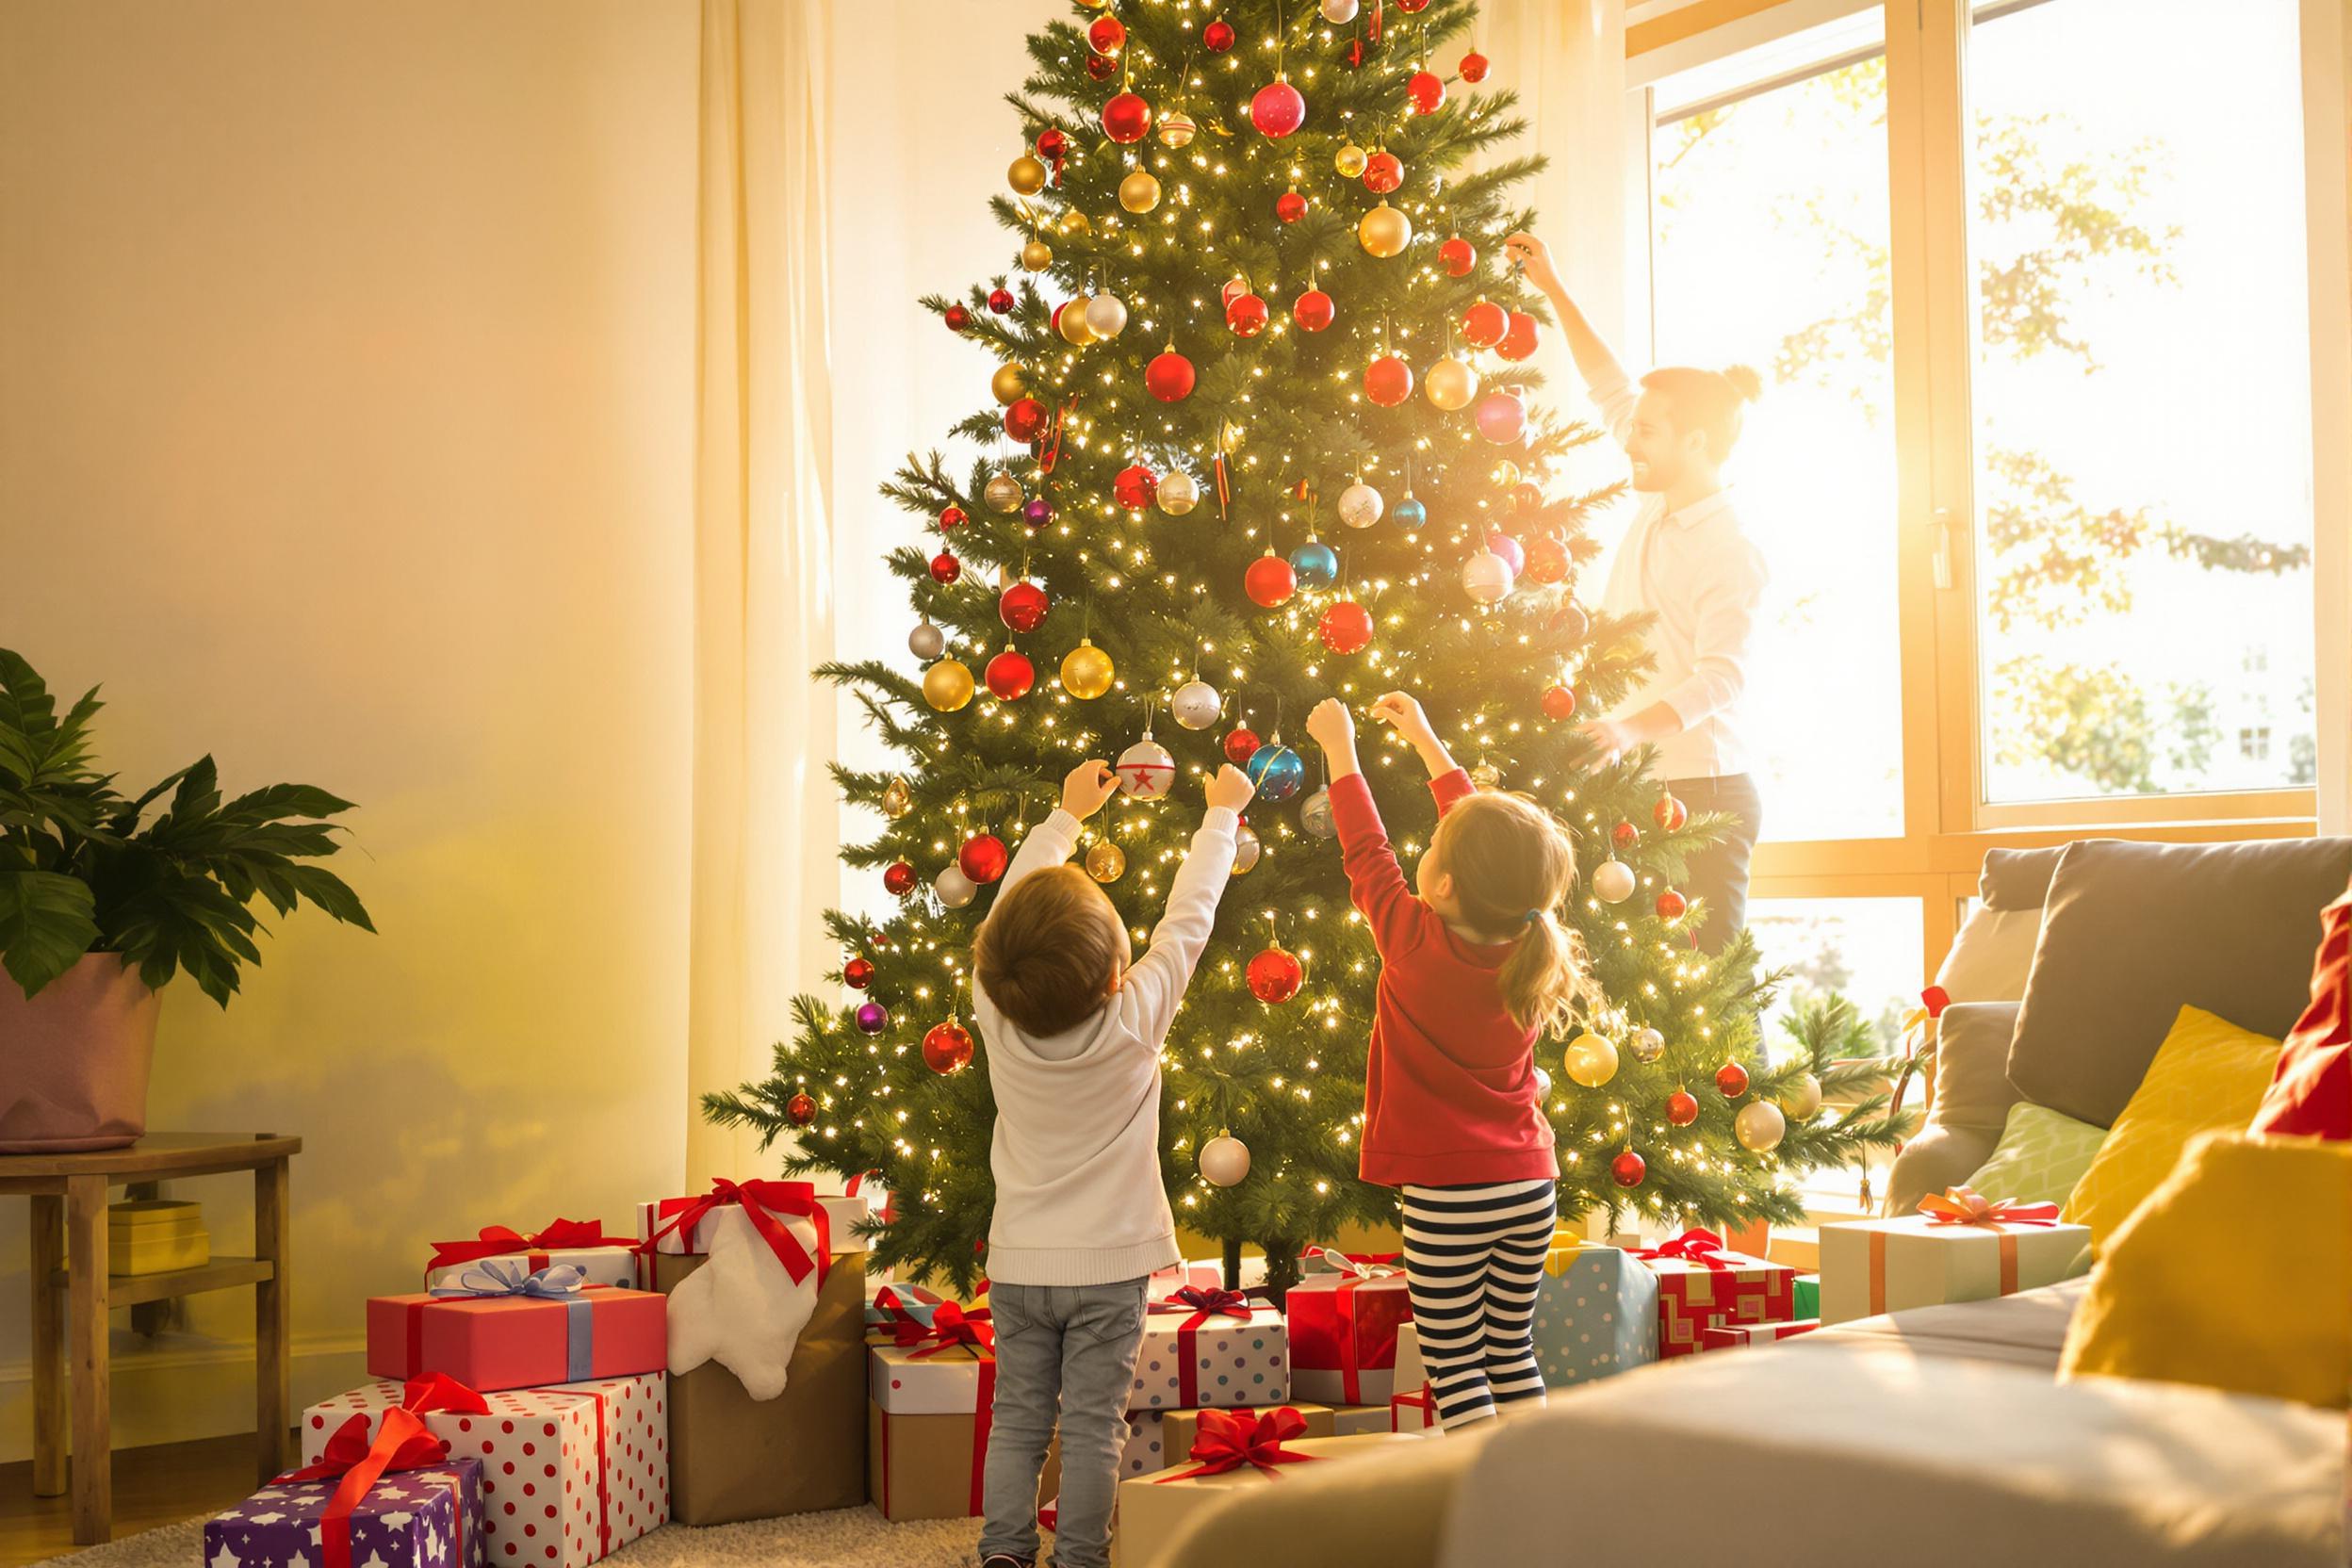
x,y
2234,1274
2209,1075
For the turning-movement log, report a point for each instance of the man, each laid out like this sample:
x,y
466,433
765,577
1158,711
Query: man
x,y
1685,560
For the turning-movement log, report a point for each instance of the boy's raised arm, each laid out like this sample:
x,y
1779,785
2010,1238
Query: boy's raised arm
x,y
1155,985
1050,844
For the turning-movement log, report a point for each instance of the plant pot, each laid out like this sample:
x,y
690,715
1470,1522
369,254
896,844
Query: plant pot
x,y
73,1060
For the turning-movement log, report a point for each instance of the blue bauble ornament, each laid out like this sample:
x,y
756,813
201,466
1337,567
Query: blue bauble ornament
x,y
1317,563
1278,771
1411,513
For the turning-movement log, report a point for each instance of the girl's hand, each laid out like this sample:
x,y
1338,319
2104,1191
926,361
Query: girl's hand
x,y
1403,712
1087,786
1332,727
1534,259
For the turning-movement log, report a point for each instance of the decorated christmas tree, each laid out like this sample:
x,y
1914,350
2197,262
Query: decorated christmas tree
x,y
1261,434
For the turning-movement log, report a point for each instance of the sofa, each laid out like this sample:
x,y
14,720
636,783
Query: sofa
x,y
1942,1436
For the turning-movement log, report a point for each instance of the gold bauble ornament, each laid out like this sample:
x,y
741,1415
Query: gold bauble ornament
x,y
1026,175
1386,232
1002,492
1139,191
1073,325
1451,384
947,685
898,798
1075,221
1506,473
1350,161
1759,1126
1037,255
1803,1100
1177,129
1106,862
1007,385
1087,671
1590,1060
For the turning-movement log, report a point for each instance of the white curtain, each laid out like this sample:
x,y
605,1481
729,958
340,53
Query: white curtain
x,y
764,839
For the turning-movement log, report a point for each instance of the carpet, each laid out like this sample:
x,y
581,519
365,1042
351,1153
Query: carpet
x,y
846,1538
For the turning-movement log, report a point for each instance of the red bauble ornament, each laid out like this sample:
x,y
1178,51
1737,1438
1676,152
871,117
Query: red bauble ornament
x,y
1559,702
1627,1169
1670,814
1732,1079
1426,89
1384,173
956,318
1474,67
800,1110
1290,206
1247,315
1313,310
1346,627
858,973
1025,419
1518,337
1217,36
1127,119
945,568
1023,607
1108,36
1275,975
1000,300
1459,256
1671,905
1682,1107
1052,143
1240,746
946,1047
1548,559
983,858
1169,377
1388,381
1278,109
1009,676
1135,487
1526,495
954,516
1102,68
1269,581
1624,836
899,877
1413,4
1484,323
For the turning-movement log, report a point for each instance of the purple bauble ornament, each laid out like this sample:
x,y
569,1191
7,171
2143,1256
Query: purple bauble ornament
x,y
874,1017
1038,513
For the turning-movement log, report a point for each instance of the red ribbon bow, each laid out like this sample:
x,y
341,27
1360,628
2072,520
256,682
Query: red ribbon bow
x,y
498,1241
765,1202
950,1326
1967,1206
1224,1303
401,1443
1229,1439
1699,1247
1364,1261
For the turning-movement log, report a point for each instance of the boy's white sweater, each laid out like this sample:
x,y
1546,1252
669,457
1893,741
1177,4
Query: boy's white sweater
x,y
1077,1148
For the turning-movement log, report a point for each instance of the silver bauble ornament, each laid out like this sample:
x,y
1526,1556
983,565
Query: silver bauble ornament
x,y
954,888
1247,848
1339,13
1179,493
1002,492
1196,704
1647,1045
1314,816
1543,1085
1486,577
1360,505
1224,1161
1612,881
1106,315
926,642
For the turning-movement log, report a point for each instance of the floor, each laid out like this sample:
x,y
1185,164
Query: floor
x,y
152,1486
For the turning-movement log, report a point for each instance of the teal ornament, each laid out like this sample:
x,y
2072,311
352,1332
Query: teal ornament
x,y
1411,513
1317,563
1277,770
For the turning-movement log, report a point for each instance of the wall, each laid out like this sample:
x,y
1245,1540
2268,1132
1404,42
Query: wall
x,y
346,433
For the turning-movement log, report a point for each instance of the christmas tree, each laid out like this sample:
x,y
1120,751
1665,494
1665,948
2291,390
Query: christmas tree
x,y
1260,437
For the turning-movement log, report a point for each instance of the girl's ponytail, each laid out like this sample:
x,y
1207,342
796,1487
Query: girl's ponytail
x,y
1547,982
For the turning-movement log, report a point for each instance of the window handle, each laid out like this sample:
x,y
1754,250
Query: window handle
x,y
1941,521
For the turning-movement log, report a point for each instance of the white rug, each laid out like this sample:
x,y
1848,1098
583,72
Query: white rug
x,y
846,1538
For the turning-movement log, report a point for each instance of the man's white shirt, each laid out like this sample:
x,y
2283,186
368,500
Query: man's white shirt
x,y
1703,579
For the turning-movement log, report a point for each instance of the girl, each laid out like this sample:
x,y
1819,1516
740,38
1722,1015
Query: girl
x,y
1472,970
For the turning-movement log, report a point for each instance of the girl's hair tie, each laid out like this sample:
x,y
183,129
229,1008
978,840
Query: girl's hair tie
x,y
1534,915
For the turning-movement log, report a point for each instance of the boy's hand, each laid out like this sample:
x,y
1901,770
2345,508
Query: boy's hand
x,y
1332,727
1231,788
1087,786
1403,712
1534,259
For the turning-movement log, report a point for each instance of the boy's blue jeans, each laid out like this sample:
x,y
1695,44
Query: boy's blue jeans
x,y
1073,1346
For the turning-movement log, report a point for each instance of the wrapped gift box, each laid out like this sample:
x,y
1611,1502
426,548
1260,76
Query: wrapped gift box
x,y
518,1341
928,1425
1199,1274
1194,1357
1874,1265
890,1302
580,1244
613,1267
155,1235
1596,1313
1325,1260
428,1518
1355,1420
1144,1452
1413,1412
1730,1336
842,1212
1343,1336
1700,1287
1151,1508
570,1473
1807,1299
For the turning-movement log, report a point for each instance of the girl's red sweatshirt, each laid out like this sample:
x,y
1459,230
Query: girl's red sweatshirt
x,y
1449,1096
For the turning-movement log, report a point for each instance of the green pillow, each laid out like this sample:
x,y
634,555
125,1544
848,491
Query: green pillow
x,y
2041,1155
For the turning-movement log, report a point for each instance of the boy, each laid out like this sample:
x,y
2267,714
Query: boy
x,y
1073,1033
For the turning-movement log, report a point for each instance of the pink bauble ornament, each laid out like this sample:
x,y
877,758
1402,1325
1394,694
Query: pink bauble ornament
x,y
1501,417
1278,109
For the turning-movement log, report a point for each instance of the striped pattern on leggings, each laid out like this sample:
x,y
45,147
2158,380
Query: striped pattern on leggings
x,y
1473,1258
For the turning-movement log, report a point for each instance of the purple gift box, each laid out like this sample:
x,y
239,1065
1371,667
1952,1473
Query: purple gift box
x,y
428,1518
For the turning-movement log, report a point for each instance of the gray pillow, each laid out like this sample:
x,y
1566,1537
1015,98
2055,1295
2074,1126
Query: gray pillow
x,y
1972,1101
2133,932
2016,878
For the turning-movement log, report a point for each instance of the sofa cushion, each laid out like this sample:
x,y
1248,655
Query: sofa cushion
x,y
2041,1155
1991,956
2025,1330
2208,1075
2234,1274
2311,1094
1972,1106
2131,932
2018,879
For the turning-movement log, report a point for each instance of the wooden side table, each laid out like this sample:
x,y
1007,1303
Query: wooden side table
x,y
69,1194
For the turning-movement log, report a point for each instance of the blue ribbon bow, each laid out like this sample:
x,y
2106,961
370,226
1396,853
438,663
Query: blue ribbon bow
x,y
559,1282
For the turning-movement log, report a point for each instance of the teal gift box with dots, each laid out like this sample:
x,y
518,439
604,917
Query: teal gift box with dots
x,y
1595,1313
1193,1360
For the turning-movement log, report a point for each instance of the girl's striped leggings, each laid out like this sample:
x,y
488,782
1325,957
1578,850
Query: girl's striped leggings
x,y
1473,1257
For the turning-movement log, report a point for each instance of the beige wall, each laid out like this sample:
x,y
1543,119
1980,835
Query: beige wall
x,y
346,402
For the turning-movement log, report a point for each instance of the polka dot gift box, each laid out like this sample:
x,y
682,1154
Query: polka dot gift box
x,y
1210,1349
570,1473
1596,1313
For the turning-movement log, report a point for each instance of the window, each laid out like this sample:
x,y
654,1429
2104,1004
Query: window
x,y
2254,744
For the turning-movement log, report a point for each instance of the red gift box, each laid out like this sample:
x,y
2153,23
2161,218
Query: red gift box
x,y
1343,1332
1413,1412
1731,1336
489,1342
1700,1287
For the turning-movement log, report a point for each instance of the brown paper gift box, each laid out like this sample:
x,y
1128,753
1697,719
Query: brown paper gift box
x,y
924,1466
733,1457
1152,1508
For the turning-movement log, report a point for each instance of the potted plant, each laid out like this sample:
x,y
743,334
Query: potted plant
x,y
100,905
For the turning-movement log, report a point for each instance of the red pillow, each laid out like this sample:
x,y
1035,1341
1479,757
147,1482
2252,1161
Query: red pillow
x,y
2310,1094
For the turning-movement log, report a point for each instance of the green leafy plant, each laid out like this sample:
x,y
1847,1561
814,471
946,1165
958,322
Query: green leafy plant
x,y
81,870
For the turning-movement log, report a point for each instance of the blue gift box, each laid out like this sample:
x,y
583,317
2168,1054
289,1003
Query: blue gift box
x,y
1596,1313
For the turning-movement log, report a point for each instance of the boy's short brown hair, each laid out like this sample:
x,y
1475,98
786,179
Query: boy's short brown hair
x,y
1045,953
